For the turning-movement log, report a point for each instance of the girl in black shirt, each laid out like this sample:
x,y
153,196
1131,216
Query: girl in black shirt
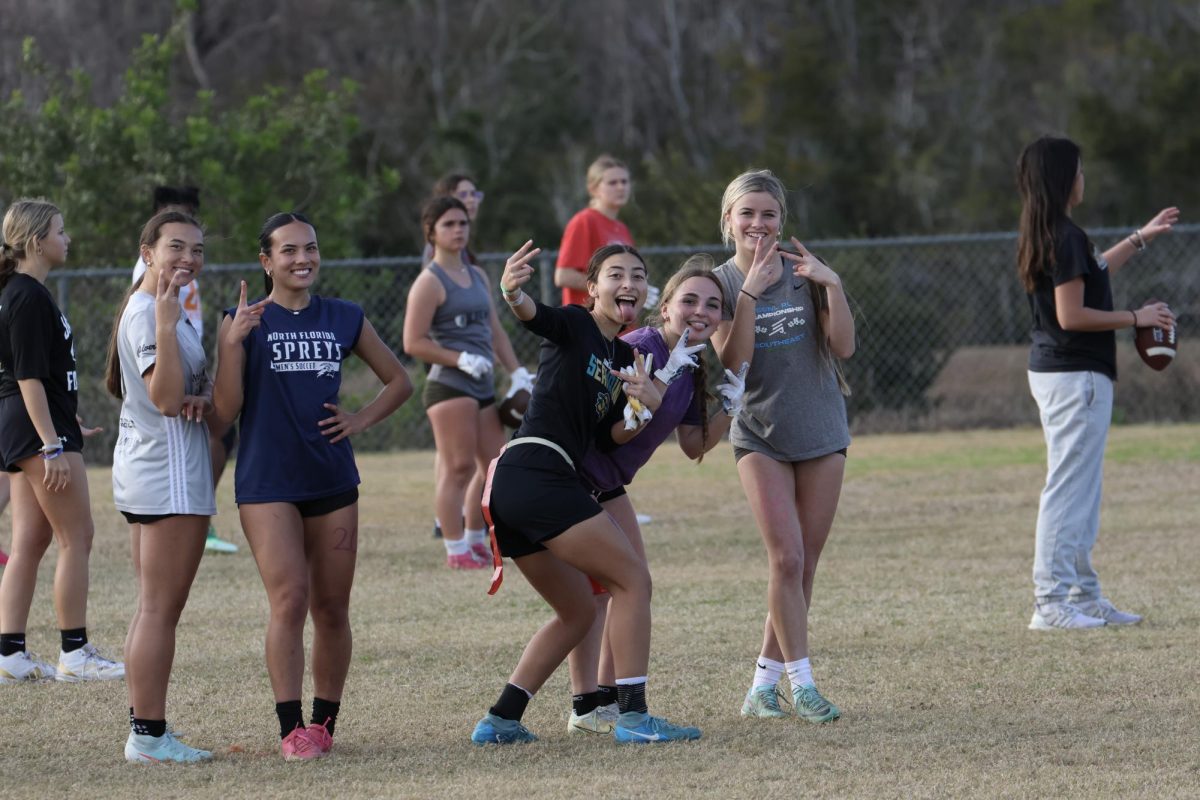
x,y
40,444
544,516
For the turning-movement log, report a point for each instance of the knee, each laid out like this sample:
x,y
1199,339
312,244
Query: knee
x,y
330,614
78,541
578,618
164,607
289,604
635,580
788,564
458,470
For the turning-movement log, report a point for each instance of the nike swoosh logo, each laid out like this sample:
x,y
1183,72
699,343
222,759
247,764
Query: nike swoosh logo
x,y
762,666
649,737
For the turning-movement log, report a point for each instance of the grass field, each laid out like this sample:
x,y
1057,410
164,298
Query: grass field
x,y
918,634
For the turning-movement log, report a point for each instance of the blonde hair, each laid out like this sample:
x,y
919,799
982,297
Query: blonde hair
x,y
759,180
595,172
26,221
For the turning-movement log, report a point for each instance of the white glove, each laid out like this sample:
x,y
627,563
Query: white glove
x,y
733,391
521,378
474,365
636,412
652,295
681,358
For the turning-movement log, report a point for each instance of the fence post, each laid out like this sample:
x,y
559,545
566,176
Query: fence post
x,y
550,294
64,292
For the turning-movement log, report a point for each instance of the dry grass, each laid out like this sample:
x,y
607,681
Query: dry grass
x,y
918,633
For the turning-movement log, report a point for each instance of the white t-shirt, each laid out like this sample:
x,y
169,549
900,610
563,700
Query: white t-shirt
x,y
161,465
189,297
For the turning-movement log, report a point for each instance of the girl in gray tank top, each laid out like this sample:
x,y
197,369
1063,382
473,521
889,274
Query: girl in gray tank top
x,y
451,323
785,314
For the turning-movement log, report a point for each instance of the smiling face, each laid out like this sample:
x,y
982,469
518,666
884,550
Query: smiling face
x,y
695,306
451,231
295,259
753,216
178,248
618,290
55,243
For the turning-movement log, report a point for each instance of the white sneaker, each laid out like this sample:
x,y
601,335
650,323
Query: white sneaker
x,y
23,666
1061,616
601,719
86,664
163,749
1105,610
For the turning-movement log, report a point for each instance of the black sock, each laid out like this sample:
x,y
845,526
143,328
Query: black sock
x,y
149,727
608,695
131,716
585,703
12,643
632,697
291,716
73,639
325,713
511,704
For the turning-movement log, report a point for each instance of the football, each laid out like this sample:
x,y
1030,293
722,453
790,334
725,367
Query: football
x,y
1156,346
512,409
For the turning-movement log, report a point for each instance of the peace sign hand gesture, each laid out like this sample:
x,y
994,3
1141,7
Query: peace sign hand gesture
x,y
765,270
806,265
518,270
644,396
166,295
246,318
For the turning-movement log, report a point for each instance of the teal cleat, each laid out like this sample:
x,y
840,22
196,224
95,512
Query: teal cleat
x,y
638,728
811,706
497,730
763,702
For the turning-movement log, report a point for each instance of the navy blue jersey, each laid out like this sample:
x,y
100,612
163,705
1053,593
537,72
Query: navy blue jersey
x,y
293,367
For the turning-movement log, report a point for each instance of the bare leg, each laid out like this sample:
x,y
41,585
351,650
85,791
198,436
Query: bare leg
x,y
31,535
331,544
488,446
455,432
135,551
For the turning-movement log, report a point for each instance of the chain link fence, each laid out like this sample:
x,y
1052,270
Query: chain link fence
x,y
942,329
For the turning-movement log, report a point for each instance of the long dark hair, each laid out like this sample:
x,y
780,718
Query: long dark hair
x,y
150,234
274,223
697,266
601,255
1046,173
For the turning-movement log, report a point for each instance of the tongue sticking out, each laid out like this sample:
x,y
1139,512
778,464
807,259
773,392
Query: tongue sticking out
x,y
627,312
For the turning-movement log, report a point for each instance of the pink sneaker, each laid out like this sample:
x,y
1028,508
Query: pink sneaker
x,y
3,558
320,736
299,746
482,552
464,561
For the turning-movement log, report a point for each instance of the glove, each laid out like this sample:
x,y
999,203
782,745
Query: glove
x,y
474,365
636,412
733,391
521,378
652,295
681,358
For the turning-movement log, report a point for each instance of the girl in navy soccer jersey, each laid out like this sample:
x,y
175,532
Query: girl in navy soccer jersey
x,y
689,315
544,515
1072,366
786,314
450,322
296,483
162,472
40,447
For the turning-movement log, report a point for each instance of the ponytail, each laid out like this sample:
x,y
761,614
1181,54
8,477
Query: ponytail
x,y
8,264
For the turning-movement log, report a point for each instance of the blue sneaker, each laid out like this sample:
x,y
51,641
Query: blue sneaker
x,y
165,749
639,728
811,706
497,730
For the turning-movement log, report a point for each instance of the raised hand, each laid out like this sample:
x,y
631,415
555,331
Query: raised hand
x,y
521,379
644,396
518,270
1159,223
733,390
765,270
681,358
166,295
246,318
806,265
474,364
340,425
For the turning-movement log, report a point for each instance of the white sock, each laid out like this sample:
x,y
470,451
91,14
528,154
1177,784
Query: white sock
x,y
766,672
437,522
457,547
799,673
476,536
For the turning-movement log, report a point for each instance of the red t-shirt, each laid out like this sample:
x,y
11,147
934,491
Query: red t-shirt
x,y
587,232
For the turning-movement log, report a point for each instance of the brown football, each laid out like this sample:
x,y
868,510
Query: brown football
x,y
512,409
1156,346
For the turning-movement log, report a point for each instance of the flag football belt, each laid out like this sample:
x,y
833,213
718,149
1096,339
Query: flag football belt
x,y
497,561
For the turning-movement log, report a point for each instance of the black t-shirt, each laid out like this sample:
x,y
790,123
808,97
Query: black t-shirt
x,y
1056,350
36,342
576,400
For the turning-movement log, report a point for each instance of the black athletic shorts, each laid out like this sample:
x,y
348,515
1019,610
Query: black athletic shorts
x,y
435,392
536,496
740,452
229,441
19,439
604,495
146,519
321,506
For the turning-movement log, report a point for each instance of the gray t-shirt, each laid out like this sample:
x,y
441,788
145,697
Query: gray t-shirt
x,y
794,408
161,465
463,323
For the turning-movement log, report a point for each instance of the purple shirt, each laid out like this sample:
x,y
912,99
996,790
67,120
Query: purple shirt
x,y
607,471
